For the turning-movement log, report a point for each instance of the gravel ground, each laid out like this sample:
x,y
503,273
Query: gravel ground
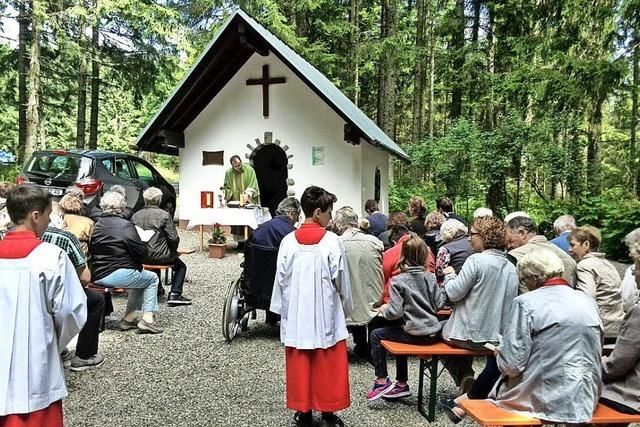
x,y
189,376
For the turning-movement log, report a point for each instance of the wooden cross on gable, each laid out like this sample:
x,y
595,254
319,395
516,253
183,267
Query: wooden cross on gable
x,y
265,81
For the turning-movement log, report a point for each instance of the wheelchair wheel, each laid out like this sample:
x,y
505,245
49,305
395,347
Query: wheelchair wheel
x,y
231,312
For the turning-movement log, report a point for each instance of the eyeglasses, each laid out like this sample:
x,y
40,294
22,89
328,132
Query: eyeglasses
x,y
473,233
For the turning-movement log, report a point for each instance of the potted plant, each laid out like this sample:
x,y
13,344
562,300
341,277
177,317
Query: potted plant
x,y
217,242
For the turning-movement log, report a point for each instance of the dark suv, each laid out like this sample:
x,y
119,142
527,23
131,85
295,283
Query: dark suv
x,y
94,172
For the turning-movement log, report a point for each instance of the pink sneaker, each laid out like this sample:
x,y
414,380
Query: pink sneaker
x,y
379,390
398,392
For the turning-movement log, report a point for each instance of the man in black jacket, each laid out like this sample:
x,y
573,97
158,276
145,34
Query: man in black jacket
x,y
162,249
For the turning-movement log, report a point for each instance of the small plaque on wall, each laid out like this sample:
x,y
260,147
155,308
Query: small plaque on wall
x,y
317,156
212,158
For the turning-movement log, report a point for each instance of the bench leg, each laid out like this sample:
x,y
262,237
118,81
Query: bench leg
x,y
432,365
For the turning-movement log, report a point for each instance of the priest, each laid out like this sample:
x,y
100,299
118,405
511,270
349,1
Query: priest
x,y
240,183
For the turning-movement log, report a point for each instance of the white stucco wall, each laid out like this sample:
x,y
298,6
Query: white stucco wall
x,y
298,118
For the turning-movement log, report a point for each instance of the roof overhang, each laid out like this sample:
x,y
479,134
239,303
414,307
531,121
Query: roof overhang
x,y
238,39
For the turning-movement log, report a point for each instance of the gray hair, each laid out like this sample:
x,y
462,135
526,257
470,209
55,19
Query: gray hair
x,y
452,228
118,189
482,212
516,214
564,223
113,203
540,265
152,196
346,217
74,191
633,242
287,206
522,222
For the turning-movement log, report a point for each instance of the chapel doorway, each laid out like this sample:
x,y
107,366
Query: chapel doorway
x,y
270,163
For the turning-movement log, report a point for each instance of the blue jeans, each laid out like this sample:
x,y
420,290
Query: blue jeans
x,y
142,285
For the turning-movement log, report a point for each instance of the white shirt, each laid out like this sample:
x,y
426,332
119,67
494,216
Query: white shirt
x,y
311,292
42,306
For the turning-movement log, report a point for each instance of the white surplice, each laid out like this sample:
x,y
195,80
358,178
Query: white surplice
x,y
42,307
311,292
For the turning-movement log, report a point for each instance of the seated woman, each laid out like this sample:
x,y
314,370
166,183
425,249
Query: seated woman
x,y
74,220
549,356
455,248
398,234
432,237
117,253
598,278
417,210
621,370
481,294
162,249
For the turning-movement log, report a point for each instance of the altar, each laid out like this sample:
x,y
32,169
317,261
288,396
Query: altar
x,y
227,216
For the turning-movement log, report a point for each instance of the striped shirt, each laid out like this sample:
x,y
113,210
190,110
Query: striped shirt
x,y
68,243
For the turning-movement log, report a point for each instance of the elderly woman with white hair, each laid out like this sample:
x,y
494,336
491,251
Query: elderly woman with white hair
x,y
550,353
630,292
364,259
455,247
162,249
117,253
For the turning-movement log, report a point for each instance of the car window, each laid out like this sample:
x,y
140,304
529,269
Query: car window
x,y
144,173
108,164
122,170
54,164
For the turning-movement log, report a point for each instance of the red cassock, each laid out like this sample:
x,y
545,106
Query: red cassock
x,y
317,379
51,416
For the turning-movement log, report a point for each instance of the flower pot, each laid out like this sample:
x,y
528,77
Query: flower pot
x,y
217,250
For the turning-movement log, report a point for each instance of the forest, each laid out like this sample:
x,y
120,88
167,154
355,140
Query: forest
x,y
514,104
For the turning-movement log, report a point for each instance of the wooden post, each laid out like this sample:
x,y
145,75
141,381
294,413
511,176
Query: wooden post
x,y
246,233
201,238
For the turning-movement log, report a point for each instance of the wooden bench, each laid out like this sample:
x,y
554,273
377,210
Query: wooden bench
x,y
429,356
485,413
159,268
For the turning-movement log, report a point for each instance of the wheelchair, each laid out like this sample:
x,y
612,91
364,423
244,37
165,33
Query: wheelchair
x,y
251,291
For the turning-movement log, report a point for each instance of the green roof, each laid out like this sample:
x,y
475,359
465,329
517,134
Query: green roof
x,y
188,93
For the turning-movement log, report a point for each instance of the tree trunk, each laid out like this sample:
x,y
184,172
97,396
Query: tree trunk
x,y
633,152
386,86
490,121
432,64
420,72
23,29
354,41
594,134
81,120
476,21
386,81
95,78
33,103
457,45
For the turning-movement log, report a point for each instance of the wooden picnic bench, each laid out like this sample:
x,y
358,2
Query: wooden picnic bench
x,y
429,355
486,413
165,267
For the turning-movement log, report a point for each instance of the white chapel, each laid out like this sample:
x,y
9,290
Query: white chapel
x,y
250,94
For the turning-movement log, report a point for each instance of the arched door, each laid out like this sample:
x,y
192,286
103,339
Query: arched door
x,y
270,164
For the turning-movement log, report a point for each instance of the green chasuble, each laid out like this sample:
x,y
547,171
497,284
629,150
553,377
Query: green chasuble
x,y
236,182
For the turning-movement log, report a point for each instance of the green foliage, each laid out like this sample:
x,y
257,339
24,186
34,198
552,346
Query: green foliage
x,y
217,236
615,212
